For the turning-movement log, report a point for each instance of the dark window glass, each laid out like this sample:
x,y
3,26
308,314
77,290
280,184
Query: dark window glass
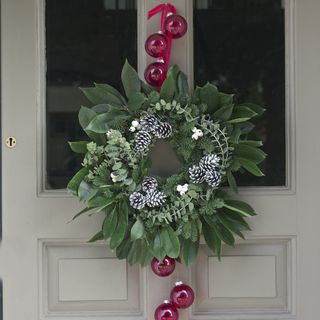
x,y
86,41
239,46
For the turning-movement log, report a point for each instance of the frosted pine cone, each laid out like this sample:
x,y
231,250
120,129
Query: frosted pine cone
x,y
155,198
142,140
149,123
196,174
209,162
163,130
213,178
137,200
149,184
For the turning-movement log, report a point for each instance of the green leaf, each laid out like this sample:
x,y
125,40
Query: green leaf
x,y
232,227
225,98
168,87
110,223
96,237
135,252
251,167
158,249
224,113
137,230
189,251
99,95
99,124
170,242
85,116
120,231
235,135
252,143
136,101
79,146
240,207
232,181
255,108
86,191
130,80
252,154
100,202
74,183
115,97
101,108
80,213
182,84
145,88
210,96
212,239
224,234
123,249
241,114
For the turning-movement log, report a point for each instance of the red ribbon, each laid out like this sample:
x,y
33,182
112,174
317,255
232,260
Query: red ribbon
x,y
164,8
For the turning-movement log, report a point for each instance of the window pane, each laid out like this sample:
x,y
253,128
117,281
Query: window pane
x,y
86,41
239,45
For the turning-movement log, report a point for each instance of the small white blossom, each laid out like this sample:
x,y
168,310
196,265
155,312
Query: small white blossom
x,y
195,136
199,133
182,189
132,129
163,102
174,103
113,177
194,129
158,106
135,123
109,133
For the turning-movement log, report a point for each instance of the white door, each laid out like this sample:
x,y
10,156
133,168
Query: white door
x,y
47,267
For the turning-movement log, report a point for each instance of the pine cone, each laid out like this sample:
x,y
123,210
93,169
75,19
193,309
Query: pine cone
x,y
137,200
155,198
149,123
213,178
196,174
209,162
149,184
142,140
163,130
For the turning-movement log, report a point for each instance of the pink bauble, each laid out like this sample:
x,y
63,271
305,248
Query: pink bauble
x,y
164,268
176,25
182,295
166,311
155,74
156,45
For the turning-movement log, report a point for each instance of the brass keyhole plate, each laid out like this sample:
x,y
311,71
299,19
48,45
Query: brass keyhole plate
x,y
11,142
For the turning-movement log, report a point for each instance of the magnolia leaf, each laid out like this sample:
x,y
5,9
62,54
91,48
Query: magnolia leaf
x,y
130,80
224,113
229,225
86,191
189,251
110,223
99,124
182,84
167,90
158,247
136,101
97,236
137,230
225,98
170,242
115,97
211,238
123,249
232,181
240,207
120,231
251,167
74,183
252,143
254,107
100,202
79,146
250,153
135,252
80,213
210,96
101,108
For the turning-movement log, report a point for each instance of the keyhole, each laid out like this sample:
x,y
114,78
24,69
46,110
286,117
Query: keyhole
x,y
11,142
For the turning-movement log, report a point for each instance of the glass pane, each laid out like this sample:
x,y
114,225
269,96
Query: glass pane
x,y
86,41
239,46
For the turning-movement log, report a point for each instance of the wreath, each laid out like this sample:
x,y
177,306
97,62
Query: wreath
x,y
148,216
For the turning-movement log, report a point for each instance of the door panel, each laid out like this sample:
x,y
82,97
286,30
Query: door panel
x,y
50,271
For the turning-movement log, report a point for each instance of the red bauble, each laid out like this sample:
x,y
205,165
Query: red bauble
x,y
164,268
155,74
176,25
182,295
166,311
156,45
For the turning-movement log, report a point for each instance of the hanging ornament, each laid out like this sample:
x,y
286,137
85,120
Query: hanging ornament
x,y
166,311
182,295
156,45
155,74
164,268
176,26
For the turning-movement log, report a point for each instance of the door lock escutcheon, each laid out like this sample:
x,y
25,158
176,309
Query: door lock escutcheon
x,y
11,142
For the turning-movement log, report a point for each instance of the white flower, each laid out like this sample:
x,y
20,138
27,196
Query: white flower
x,y
182,189
194,129
163,102
135,123
199,133
132,129
109,133
195,136
113,177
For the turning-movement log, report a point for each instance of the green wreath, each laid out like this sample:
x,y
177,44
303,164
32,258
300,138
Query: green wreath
x,y
147,216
